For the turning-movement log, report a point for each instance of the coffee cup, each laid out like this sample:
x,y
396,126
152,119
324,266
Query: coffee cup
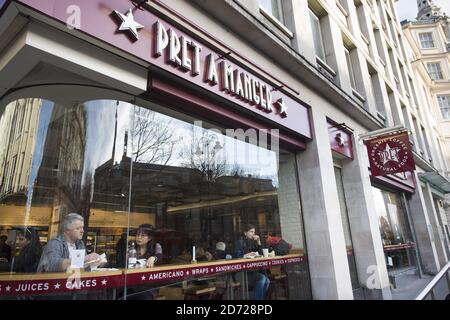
x,y
265,252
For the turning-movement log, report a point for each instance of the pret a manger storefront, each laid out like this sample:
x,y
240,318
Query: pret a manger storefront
x,y
124,120
392,175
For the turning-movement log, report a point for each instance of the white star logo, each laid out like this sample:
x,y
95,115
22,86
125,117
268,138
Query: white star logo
x,y
8,288
128,23
389,154
57,286
187,272
143,278
104,282
282,107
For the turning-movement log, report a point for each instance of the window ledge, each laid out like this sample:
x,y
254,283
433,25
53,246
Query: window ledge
x,y
344,12
381,116
276,22
358,96
365,39
324,65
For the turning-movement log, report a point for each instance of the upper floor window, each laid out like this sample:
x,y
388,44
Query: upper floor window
x,y
444,105
435,71
317,36
350,68
273,7
426,40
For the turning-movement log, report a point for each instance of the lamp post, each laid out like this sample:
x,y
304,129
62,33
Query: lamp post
x,y
206,142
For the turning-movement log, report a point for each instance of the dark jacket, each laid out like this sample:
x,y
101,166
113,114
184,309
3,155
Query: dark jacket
x,y
5,251
244,245
121,253
28,258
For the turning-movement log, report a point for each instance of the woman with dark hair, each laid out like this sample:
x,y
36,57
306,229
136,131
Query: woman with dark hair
x,y
146,249
31,249
152,253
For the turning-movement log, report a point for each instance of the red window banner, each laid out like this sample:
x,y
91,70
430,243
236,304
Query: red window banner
x,y
390,154
41,283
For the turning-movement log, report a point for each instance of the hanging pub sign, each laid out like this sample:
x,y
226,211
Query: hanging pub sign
x,y
390,154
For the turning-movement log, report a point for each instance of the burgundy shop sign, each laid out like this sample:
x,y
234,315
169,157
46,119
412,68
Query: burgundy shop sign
x,y
390,154
147,36
16,285
340,140
69,284
193,272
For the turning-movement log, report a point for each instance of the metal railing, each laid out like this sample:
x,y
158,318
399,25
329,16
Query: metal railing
x,y
429,289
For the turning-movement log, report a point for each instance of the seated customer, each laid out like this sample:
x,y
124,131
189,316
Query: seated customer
x,y
56,254
220,253
31,249
146,249
249,244
121,251
203,254
152,253
5,249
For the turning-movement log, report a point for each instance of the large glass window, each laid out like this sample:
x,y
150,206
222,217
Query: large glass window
x,y
152,190
357,290
396,235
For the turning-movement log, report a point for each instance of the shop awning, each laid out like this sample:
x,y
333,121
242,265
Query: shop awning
x,y
437,180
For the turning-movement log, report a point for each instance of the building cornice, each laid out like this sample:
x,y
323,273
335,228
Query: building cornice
x,y
249,27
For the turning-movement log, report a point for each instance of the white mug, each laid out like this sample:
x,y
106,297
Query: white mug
x,y
265,252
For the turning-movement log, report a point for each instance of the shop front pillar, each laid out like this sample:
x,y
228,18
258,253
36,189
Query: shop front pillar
x,y
424,232
364,226
327,256
436,226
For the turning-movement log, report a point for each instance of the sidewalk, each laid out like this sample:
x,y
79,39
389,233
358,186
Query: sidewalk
x,y
411,291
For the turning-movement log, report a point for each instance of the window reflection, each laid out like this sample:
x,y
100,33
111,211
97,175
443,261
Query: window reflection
x,y
395,233
122,166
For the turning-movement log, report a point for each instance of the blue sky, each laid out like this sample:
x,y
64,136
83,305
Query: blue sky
x,y
407,9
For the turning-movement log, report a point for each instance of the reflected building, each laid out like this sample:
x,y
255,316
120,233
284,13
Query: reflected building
x,y
184,199
18,128
42,162
58,183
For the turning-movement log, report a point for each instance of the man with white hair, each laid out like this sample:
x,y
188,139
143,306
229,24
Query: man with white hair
x,y
56,254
